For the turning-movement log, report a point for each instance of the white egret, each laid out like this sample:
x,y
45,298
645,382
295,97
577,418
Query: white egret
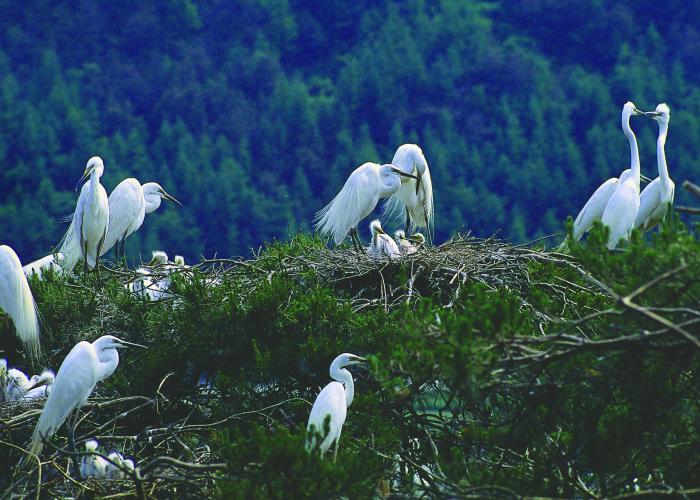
x,y
366,185
623,205
332,404
409,245
658,195
593,210
17,384
3,379
23,389
129,203
382,245
412,204
86,235
115,472
147,285
93,465
52,261
16,299
84,366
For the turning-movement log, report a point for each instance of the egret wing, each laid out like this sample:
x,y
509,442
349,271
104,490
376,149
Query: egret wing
x,y
353,203
72,386
16,299
330,401
621,212
648,202
126,206
595,207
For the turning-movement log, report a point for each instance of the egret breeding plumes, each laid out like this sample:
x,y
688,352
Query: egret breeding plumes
x,y
84,366
128,205
412,204
86,235
594,208
16,299
623,205
366,185
658,195
93,465
37,268
331,405
382,245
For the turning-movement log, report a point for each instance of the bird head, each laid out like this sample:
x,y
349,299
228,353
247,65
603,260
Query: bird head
x,y
179,260
400,234
155,189
417,238
661,114
158,257
94,164
112,342
46,378
629,109
346,359
91,445
376,227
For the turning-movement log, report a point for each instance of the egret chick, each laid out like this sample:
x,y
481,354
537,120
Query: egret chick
x,y
40,387
332,403
359,196
623,205
382,245
412,204
93,465
84,366
129,203
658,195
594,208
115,472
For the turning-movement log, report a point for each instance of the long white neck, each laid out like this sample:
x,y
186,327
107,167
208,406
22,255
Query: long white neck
x,y
634,150
661,153
95,180
152,203
345,377
109,360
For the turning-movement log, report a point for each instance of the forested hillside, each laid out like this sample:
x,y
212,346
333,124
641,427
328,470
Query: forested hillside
x,y
253,113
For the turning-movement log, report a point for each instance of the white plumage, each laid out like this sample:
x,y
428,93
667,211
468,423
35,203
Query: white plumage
x,y
84,366
409,245
594,208
332,404
658,195
52,261
359,196
114,472
93,465
622,207
86,235
412,204
129,203
382,245
16,299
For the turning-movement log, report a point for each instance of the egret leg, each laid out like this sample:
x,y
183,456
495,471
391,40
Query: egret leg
x,y
116,250
355,239
123,252
72,422
335,451
85,262
408,222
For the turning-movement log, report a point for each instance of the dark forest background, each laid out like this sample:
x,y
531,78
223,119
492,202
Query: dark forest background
x,y
253,113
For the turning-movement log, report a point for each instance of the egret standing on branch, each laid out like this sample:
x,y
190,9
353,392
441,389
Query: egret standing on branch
x,y
366,185
84,366
412,204
332,404
128,205
658,195
90,222
622,207
16,299
593,210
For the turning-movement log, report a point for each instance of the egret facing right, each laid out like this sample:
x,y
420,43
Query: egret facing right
x,y
84,366
332,403
128,205
366,185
